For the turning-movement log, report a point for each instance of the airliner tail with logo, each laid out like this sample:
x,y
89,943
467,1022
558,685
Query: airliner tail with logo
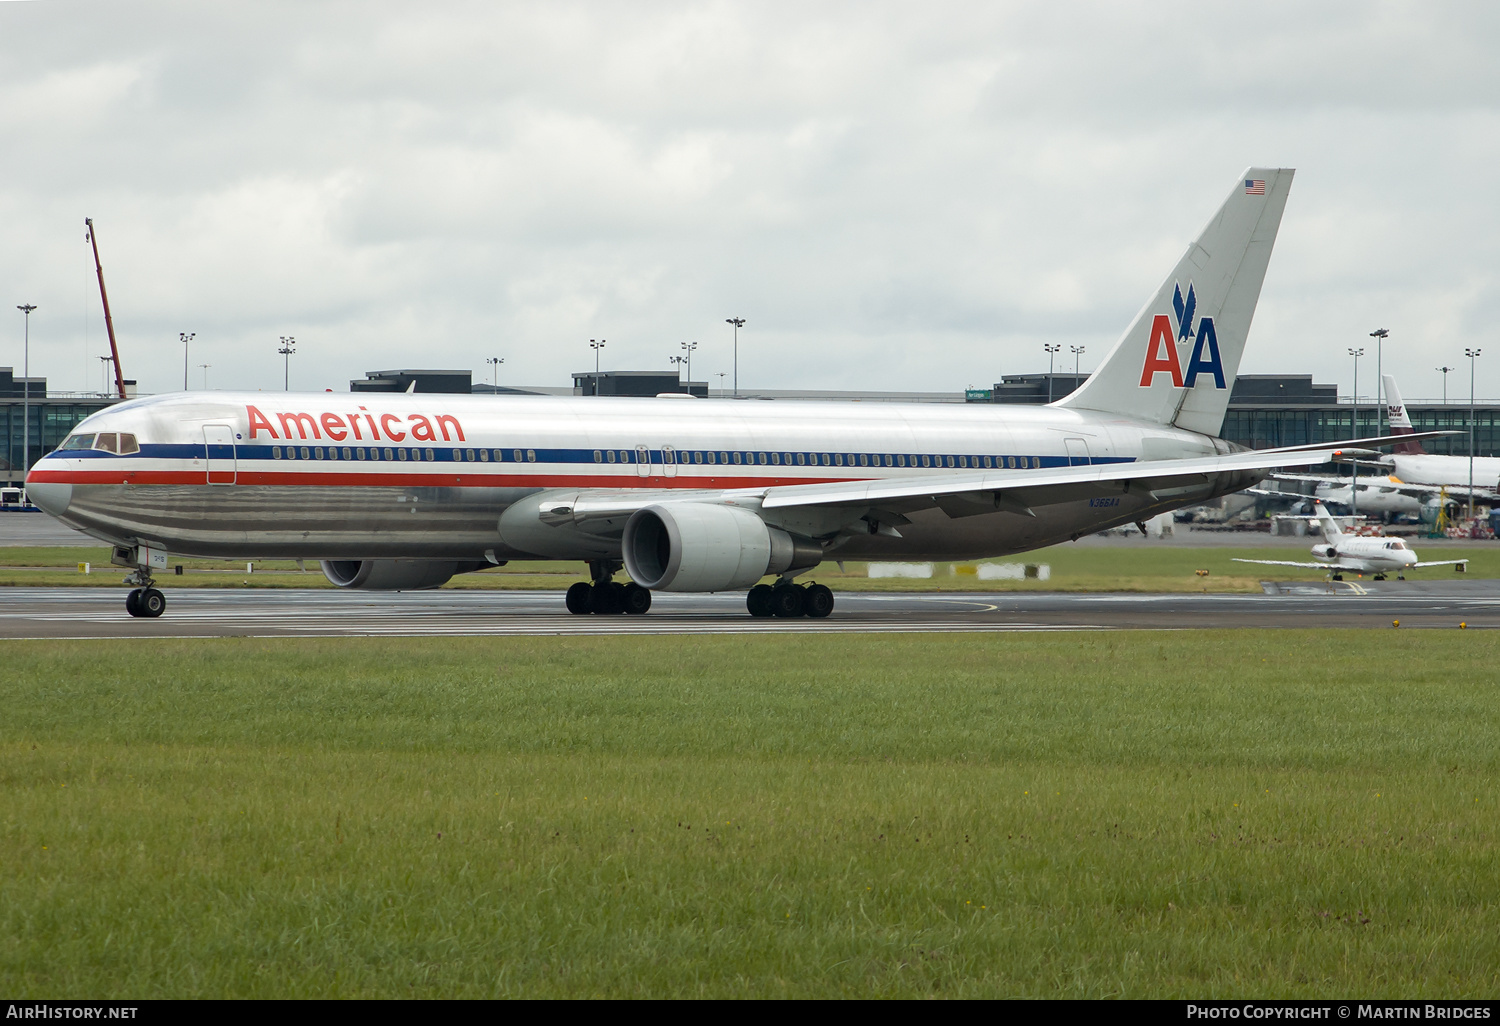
x,y
686,495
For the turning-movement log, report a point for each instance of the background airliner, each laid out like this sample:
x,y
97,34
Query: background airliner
x,y
404,491
1377,493
1408,481
1413,465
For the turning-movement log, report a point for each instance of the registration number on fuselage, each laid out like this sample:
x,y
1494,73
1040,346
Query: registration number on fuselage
x,y
1103,503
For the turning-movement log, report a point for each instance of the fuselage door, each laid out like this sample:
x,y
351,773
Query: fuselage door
x,y
642,461
668,461
218,439
1078,452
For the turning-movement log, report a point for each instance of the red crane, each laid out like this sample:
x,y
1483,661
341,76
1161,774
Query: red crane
x,y
109,324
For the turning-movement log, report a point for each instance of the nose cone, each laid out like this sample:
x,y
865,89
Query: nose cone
x,y
50,496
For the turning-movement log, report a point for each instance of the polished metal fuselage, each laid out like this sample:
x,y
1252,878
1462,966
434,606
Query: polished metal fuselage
x,y
372,476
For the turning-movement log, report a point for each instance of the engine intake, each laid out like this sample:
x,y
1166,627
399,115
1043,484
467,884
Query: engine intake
x,y
699,546
394,574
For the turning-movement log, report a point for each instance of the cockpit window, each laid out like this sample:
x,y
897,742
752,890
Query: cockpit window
x,y
78,442
121,443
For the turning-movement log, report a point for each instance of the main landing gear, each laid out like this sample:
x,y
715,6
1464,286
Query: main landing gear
x,y
607,597
789,600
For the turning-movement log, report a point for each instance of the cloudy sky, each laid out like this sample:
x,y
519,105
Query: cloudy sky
x,y
894,196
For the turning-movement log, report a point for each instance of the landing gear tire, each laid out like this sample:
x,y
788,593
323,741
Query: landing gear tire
x,y
1380,577
133,602
759,600
578,598
788,601
1400,577
1338,577
607,598
151,603
636,600
817,602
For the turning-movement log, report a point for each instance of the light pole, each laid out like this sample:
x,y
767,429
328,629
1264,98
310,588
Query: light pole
x,y
1052,352
26,309
689,347
186,337
596,346
205,367
1472,354
1379,335
738,322
104,362
679,361
495,362
1356,353
288,347
1445,371
721,375
1077,355
1353,466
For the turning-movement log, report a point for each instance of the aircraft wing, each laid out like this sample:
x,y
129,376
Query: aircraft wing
x,y
1440,562
965,492
1285,562
1022,489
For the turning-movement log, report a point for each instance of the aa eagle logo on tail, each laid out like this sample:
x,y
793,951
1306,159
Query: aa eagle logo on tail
x,y
1161,350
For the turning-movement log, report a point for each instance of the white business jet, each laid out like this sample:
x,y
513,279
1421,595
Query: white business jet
x,y
1340,551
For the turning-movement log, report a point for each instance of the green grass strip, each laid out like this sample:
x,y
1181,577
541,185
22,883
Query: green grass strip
x,y
1124,814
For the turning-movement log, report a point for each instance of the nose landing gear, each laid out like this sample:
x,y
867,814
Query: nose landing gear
x,y
145,602
144,599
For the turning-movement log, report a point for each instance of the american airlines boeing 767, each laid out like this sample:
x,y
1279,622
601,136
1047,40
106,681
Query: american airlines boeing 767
x,y
687,495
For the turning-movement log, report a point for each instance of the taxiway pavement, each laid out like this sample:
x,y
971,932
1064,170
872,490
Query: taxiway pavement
x,y
209,613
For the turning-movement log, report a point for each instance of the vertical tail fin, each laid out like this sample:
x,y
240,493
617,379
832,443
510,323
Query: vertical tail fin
x,y
1331,529
1395,411
1177,361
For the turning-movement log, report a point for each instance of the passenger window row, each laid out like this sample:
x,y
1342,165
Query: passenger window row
x,y
835,459
333,452
124,444
696,457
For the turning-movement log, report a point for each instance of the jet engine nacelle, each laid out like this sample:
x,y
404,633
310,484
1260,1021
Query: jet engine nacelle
x,y
1324,551
699,546
394,574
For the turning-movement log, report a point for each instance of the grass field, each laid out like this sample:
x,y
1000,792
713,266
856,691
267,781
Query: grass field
x,y
1145,569
1078,814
